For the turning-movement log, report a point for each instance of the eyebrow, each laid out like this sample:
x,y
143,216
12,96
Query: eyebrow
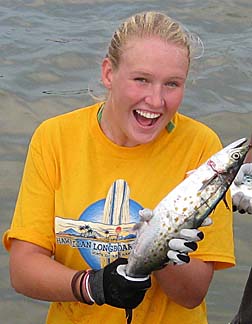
x,y
141,72
147,74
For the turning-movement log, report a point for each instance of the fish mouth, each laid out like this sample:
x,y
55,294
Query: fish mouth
x,y
240,142
146,118
237,144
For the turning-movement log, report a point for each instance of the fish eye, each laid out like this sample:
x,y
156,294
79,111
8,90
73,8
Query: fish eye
x,y
235,156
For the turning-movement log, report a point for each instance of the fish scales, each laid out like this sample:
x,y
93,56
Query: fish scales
x,y
186,206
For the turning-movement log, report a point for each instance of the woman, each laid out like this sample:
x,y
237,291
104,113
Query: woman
x,y
89,172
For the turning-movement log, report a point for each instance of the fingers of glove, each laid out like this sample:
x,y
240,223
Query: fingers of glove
x,y
177,258
237,197
116,263
111,268
246,169
249,210
119,279
245,205
138,283
193,235
207,221
182,245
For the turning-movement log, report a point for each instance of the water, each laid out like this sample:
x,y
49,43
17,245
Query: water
x,y
49,58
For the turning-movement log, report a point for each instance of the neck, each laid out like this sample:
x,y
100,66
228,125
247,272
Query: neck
x,y
110,128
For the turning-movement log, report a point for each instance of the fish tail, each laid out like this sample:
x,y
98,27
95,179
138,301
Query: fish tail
x,y
128,312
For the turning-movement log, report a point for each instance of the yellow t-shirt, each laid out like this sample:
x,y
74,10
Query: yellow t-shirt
x,y
80,196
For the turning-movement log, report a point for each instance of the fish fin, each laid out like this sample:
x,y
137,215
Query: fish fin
x,y
188,173
145,214
136,227
207,182
225,202
128,312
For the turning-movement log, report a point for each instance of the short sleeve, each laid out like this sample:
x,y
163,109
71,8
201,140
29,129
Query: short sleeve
x,y
33,218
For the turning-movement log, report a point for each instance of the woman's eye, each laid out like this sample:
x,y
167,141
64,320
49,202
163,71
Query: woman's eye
x,y
172,84
143,80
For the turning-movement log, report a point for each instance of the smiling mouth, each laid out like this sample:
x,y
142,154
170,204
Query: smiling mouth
x,y
146,118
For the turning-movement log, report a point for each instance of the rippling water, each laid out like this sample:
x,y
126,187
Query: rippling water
x,y
50,55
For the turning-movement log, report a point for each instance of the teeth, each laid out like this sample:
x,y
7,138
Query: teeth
x,y
147,114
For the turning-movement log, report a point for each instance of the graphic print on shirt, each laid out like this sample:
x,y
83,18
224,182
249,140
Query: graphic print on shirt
x,y
104,230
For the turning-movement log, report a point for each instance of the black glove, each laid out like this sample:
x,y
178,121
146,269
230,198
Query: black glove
x,y
107,286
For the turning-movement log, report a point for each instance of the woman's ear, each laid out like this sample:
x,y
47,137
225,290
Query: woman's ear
x,y
107,73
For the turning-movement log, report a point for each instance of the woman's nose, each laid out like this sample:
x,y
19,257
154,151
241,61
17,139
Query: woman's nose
x,y
154,97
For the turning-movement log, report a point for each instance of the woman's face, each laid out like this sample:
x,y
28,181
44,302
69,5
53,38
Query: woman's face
x,y
145,91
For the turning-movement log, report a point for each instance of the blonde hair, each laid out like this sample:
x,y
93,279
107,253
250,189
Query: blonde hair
x,y
148,24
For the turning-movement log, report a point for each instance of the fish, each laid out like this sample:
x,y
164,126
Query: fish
x,y
186,206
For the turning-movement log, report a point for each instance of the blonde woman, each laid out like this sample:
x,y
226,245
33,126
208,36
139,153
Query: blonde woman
x,y
89,172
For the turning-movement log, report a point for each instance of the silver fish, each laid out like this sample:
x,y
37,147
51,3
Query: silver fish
x,y
186,206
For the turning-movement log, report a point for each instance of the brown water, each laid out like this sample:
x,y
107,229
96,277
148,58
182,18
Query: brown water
x,y
50,54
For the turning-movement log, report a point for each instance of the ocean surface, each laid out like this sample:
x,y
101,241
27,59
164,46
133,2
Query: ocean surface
x,y
50,54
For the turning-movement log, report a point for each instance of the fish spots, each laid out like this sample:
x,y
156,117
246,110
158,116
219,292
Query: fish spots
x,y
184,207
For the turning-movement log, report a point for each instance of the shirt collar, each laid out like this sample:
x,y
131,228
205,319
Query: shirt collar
x,y
170,126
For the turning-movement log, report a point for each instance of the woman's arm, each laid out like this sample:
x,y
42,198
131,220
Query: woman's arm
x,y
35,274
186,284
